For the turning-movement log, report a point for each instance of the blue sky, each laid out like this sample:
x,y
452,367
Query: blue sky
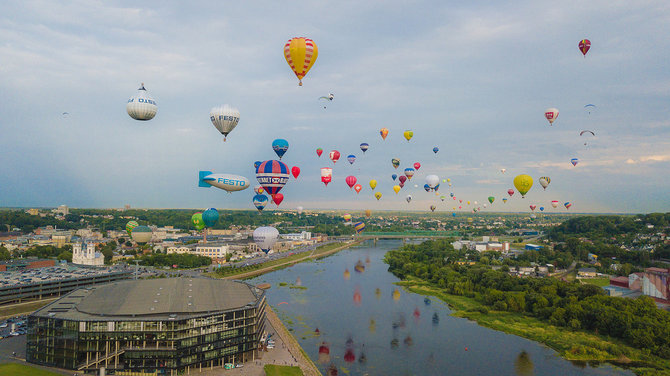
x,y
472,78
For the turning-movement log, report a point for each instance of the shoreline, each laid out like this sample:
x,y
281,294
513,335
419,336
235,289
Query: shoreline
x,y
305,363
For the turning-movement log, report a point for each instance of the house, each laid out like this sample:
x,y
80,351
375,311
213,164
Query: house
x,y
586,273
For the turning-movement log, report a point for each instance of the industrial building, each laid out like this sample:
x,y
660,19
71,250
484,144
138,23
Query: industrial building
x,y
159,326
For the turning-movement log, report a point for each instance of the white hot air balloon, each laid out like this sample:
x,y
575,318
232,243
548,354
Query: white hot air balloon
x,y
224,118
299,209
503,170
141,106
266,237
432,181
408,198
551,114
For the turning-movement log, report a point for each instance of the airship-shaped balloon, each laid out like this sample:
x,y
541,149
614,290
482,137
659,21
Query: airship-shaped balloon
x,y
141,106
227,182
266,237
224,118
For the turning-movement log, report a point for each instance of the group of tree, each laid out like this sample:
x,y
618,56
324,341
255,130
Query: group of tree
x,y
567,304
180,260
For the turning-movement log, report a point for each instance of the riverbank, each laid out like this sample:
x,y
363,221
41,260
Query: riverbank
x,y
577,346
306,365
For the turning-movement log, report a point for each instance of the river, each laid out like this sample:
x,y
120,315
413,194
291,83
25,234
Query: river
x,y
368,326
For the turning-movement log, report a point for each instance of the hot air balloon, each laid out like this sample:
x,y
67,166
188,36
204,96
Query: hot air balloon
x,y
359,227
551,114
523,183
210,217
408,135
141,106
544,182
541,208
295,170
347,217
554,203
378,195
567,205
396,188
266,237
319,151
227,182
358,188
130,226
351,181
260,201
258,189
299,208
197,221
280,146
401,184
300,54
368,212
256,164
584,46
395,162
510,192
432,208
351,158
491,199
436,149
574,161
384,132
364,147
272,175
402,179
586,132
505,200
224,118
469,220
432,181
426,187
417,166
532,207
142,234
278,198
326,175
334,155
503,170
373,184
394,176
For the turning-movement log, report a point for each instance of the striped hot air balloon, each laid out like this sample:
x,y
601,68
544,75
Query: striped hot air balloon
x,y
130,226
272,175
300,54
359,227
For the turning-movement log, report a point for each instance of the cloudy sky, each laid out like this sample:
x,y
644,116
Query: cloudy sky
x,y
472,78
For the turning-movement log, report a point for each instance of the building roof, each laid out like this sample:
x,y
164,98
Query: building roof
x,y
587,270
157,299
657,270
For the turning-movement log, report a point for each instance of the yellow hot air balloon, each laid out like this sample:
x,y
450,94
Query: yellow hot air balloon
x,y
408,135
373,184
300,54
396,295
368,212
448,180
523,183
378,195
396,188
347,217
468,202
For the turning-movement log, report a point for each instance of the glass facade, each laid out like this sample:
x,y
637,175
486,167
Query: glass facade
x,y
167,347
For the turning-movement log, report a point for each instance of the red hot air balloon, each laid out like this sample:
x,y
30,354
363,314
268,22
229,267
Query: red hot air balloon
x,y
532,207
417,166
358,188
295,170
510,192
584,46
402,179
326,175
351,181
278,198
334,156
401,184
319,151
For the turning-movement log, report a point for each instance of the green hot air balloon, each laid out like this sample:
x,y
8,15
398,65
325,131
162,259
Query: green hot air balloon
x,y
130,226
491,199
197,221
395,162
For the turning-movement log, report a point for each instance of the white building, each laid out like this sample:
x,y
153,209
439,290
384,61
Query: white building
x,y
84,254
305,235
211,250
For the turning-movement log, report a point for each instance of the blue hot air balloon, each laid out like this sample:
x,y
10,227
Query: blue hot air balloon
x,y
451,194
541,208
453,214
364,147
260,201
394,176
351,158
256,164
426,187
280,146
436,188
436,149
574,161
210,217
272,175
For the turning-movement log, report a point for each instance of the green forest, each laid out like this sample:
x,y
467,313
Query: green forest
x,y
572,305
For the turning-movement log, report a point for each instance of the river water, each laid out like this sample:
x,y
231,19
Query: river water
x,y
368,326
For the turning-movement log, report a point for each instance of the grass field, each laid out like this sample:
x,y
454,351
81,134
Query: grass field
x,y
273,370
17,309
600,282
15,369
572,345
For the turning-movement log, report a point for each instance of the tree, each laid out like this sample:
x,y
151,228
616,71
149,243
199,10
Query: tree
x,y
65,255
4,253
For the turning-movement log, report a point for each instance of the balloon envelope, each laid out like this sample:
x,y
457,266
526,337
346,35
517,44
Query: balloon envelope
x,y
384,132
584,46
417,165
295,170
278,198
141,106
351,158
326,175
409,172
260,201
224,118
351,181
394,176
272,175
373,184
210,217
510,192
551,114
280,146
408,135
523,183
300,54
365,147
402,179
436,149
544,181
319,151
396,188
491,199
266,237
358,188
334,156
359,227
378,195
141,234
432,181
574,161
197,221
130,226
395,162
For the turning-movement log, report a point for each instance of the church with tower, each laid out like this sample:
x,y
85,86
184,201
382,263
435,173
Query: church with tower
x,y
84,254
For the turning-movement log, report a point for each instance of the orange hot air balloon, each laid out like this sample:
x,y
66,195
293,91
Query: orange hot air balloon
x,y
358,188
384,132
300,54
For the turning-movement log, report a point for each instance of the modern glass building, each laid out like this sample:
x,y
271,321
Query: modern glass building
x,y
161,326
